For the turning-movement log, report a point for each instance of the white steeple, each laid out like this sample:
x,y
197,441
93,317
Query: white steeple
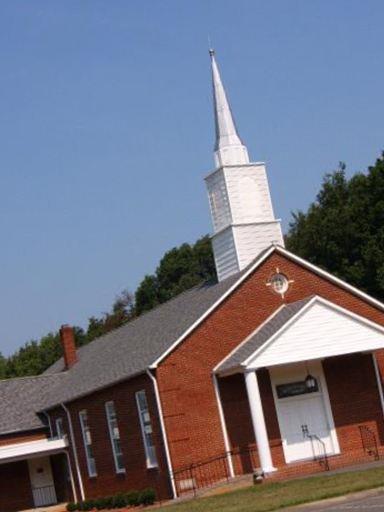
x,y
241,207
229,150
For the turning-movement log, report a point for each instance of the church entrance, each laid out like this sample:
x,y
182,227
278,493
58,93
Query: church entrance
x,y
304,415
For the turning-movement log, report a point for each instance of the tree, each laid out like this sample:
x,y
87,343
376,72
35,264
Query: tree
x,y
343,230
3,365
179,269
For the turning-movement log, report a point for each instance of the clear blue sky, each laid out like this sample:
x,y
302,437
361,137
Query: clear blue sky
x,y
106,131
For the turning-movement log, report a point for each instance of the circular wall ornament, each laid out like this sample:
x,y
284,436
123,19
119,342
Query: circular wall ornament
x,y
279,283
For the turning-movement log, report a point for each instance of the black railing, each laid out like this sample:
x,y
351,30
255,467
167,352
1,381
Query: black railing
x,y
207,473
369,441
319,449
44,495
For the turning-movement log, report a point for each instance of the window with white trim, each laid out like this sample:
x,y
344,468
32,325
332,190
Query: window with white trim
x,y
60,428
114,435
87,441
146,429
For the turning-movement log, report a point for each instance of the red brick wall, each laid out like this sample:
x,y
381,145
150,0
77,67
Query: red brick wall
x,y
15,487
137,476
189,404
355,399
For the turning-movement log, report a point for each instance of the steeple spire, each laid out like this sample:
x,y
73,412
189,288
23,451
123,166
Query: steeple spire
x,y
229,150
243,220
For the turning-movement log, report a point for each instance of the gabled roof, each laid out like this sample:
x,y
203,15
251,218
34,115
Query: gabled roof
x,y
262,334
138,345
21,398
132,348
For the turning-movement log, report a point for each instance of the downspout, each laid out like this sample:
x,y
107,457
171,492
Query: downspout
x,y
71,476
74,450
163,433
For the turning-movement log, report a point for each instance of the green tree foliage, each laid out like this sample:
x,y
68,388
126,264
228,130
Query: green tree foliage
x,y
3,365
343,230
179,269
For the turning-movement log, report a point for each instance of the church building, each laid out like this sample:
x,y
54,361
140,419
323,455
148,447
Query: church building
x,y
276,368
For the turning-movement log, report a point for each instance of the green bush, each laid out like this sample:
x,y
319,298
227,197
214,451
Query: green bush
x,y
119,501
132,498
147,497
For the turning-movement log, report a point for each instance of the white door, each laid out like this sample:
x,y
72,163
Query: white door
x,y
303,414
43,487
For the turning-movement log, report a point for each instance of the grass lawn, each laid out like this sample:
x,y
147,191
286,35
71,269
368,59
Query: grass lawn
x,y
261,498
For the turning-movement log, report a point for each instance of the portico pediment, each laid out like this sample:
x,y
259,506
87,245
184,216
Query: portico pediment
x,y
313,328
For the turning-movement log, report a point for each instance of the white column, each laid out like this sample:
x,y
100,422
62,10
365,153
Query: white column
x,y
258,422
378,380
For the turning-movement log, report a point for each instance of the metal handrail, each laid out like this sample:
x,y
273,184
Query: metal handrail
x,y
369,441
323,457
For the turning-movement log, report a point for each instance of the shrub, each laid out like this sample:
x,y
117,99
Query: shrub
x,y
119,501
147,497
132,498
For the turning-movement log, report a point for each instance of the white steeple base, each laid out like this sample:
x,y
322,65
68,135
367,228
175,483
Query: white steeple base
x,y
238,245
242,214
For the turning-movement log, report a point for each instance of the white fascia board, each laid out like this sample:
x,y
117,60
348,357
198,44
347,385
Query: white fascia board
x,y
330,277
32,449
213,307
257,263
245,341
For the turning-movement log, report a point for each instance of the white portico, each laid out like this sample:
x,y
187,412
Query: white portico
x,y
292,344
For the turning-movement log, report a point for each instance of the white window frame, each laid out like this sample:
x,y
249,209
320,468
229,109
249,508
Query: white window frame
x,y
60,428
111,436
92,472
150,463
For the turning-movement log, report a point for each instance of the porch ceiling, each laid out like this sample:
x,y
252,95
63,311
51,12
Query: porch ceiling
x,y
309,329
19,451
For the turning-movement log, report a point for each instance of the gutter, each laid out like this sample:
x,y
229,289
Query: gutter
x,y
74,450
164,434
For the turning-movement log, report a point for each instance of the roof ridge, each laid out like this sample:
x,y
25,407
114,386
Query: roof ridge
x,y
29,377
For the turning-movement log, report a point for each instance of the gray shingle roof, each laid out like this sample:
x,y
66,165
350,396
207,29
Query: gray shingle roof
x,y
21,398
132,348
262,335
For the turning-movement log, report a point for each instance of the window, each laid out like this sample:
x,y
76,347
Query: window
x,y
146,429
60,428
87,440
279,283
114,435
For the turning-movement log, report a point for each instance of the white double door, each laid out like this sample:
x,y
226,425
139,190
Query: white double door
x,y
304,414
